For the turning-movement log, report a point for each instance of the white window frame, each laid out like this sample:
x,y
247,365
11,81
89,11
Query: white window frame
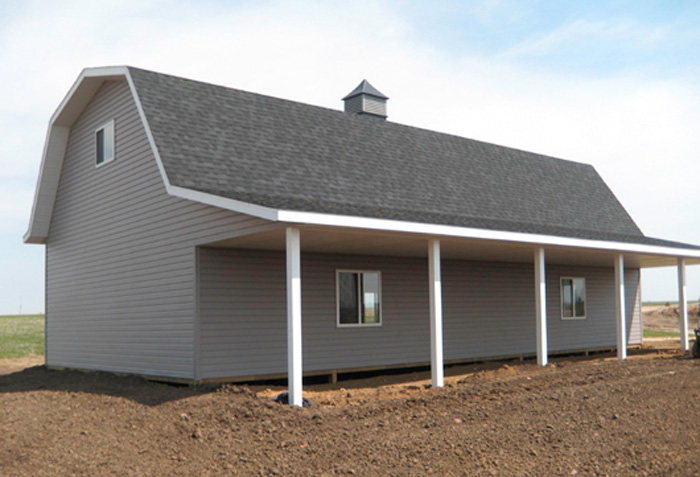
x,y
573,304
337,301
108,126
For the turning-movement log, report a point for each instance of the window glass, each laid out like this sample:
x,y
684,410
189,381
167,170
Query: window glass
x,y
370,298
104,143
100,146
347,298
567,293
579,297
359,298
573,297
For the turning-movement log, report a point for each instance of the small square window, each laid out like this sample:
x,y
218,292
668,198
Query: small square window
x,y
573,298
104,144
358,298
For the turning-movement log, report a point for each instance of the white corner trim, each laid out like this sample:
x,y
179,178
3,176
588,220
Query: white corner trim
x,y
311,218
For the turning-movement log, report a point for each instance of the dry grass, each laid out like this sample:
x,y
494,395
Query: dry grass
x,y
21,335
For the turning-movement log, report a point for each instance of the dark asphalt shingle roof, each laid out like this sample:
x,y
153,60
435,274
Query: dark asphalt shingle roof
x,y
293,156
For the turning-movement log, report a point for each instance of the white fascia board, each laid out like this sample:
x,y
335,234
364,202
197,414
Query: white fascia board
x,y
74,102
46,184
312,218
225,203
102,74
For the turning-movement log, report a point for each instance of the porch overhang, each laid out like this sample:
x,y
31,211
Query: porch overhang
x,y
295,240
458,244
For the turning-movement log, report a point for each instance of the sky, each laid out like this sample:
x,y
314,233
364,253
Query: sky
x,y
612,84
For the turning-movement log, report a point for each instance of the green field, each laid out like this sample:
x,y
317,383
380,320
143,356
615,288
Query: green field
x,y
661,334
21,335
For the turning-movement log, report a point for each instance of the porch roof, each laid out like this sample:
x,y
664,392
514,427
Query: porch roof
x,y
344,240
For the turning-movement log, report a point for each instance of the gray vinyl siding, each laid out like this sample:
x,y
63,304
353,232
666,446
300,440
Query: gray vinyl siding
x,y
120,259
488,311
599,326
243,314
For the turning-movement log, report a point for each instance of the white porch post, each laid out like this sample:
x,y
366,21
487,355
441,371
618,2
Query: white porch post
x,y
620,307
541,307
294,372
683,305
436,356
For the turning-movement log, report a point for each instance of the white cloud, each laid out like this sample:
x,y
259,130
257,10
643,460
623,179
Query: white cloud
x,y
584,33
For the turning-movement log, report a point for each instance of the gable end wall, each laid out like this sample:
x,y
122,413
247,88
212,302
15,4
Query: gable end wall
x,y
120,261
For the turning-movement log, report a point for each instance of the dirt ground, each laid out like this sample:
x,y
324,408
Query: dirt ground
x,y
578,416
665,318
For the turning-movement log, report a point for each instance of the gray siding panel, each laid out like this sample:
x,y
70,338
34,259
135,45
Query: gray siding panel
x,y
243,313
599,327
120,254
488,311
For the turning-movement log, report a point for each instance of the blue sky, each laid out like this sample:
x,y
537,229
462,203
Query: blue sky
x,y
613,84
592,38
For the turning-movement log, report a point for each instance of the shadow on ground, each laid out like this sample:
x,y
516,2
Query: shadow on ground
x,y
150,393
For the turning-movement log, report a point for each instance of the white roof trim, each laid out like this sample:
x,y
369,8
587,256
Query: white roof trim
x,y
78,96
311,218
92,78
228,204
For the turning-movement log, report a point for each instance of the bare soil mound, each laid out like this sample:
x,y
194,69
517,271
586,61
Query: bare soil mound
x,y
666,317
585,416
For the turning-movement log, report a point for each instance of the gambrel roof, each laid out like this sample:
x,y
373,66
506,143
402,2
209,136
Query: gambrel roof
x,y
271,157
287,155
